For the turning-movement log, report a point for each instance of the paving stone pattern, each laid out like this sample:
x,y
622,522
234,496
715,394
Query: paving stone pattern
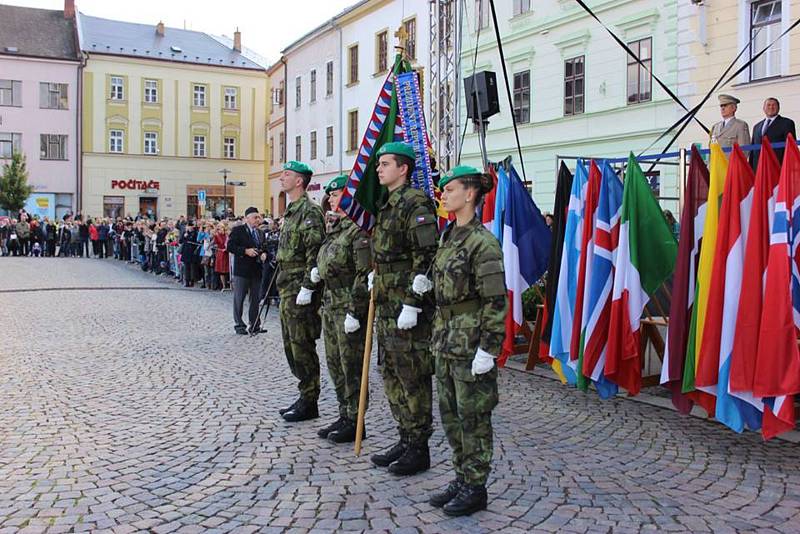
x,y
140,410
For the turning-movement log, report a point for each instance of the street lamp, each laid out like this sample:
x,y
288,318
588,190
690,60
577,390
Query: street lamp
x,y
225,192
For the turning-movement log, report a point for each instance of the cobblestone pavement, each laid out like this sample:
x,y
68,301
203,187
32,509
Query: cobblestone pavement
x,y
139,409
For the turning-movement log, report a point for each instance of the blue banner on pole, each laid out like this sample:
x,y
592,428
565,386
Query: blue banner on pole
x,y
415,133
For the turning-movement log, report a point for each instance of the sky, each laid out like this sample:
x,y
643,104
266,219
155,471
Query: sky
x,y
267,26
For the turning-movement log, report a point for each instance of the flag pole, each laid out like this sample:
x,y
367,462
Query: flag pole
x,y
362,397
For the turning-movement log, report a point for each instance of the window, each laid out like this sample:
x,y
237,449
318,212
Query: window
x,y
10,93
329,141
151,91
230,100
229,148
313,86
313,145
52,95
277,95
352,131
151,143
113,207
272,150
410,26
199,148
521,6
298,148
765,26
640,82
352,65
298,92
115,141
10,143
573,86
381,50
282,147
117,88
199,96
482,9
522,96
53,146
329,78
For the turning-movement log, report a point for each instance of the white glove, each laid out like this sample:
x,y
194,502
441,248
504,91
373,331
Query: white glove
x,y
408,317
421,284
482,363
351,324
370,280
304,297
315,275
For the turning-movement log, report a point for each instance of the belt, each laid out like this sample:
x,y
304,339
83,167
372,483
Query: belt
x,y
291,264
343,280
394,267
448,311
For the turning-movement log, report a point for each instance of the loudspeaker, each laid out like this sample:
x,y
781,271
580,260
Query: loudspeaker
x,y
480,91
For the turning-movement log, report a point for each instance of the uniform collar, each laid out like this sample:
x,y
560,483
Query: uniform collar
x,y
457,234
394,196
294,205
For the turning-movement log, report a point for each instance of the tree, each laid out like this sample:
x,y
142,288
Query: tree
x,y
14,188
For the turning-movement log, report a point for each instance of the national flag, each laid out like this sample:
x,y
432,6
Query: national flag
x,y
589,208
526,245
645,259
748,321
717,170
714,360
564,305
501,197
600,279
558,229
363,193
487,208
684,279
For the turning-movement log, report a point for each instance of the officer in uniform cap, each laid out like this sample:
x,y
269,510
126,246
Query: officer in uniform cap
x,y
729,130
343,263
301,236
403,245
468,331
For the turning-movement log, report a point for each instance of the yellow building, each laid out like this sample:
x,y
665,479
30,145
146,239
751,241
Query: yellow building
x,y
164,111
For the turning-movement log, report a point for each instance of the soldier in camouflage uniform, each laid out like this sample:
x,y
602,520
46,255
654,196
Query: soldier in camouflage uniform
x,y
403,246
343,263
468,331
300,239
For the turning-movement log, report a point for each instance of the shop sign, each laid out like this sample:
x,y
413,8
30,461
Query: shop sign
x,y
142,185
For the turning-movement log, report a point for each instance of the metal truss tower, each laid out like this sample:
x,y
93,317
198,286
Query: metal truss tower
x,y
444,18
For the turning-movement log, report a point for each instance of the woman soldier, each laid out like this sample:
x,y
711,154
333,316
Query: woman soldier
x,y
343,262
468,331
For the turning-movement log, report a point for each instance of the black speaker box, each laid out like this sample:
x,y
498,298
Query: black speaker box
x,y
480,91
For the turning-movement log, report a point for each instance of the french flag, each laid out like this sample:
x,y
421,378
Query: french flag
x,y
526,251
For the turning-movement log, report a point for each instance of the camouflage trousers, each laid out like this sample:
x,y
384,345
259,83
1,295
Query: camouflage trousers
x,y
465,404
407,370
345,355
301,328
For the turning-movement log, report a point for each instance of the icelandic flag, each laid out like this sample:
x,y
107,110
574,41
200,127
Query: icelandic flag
x,y
526,250
597,308
564,308
501,195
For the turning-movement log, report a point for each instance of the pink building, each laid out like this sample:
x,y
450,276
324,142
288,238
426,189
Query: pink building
x,y
40,102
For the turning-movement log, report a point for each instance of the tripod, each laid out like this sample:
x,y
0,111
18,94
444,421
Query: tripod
x,y
266,302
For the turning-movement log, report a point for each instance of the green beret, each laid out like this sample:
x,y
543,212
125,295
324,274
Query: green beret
x,y
400,149
298,167
336,184
458,172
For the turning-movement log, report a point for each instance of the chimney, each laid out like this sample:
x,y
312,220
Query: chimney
x,y
160,29
237,40
69,9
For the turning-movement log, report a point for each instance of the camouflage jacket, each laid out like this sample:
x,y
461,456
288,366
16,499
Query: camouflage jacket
x,y
344,261
403,246
470,290
301,236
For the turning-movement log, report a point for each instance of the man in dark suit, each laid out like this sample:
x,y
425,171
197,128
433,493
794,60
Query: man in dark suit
x,y
245,243
775,127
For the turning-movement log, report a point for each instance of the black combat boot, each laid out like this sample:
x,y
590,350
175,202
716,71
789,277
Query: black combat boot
x,y
468,501
289,408
346,433
448,494
385,458
303,411
416,459
336,425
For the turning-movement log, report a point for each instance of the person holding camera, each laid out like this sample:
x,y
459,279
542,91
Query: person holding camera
x,y
246,244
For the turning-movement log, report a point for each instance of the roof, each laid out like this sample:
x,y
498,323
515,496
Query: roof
x,y
249,53
104,36
37,33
